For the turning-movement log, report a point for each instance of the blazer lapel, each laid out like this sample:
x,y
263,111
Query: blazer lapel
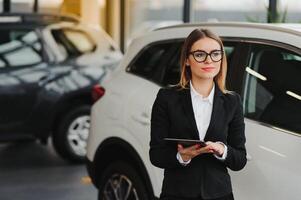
x,y
187,106
216,111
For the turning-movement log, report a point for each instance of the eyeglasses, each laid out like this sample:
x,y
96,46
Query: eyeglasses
x,y
201,56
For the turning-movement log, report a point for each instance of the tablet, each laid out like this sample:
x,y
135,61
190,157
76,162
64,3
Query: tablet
x,y
185,142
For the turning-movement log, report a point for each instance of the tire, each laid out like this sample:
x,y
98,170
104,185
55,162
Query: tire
x,y
119,176
70,136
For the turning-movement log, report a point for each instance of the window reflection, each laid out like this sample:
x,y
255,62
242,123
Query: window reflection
x,y
73,43
145,15
217,10
80,40
20,49
292,9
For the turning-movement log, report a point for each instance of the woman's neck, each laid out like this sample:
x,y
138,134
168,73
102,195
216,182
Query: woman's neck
x,y
202,86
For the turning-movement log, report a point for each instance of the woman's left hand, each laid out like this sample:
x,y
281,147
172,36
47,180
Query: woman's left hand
x,y
216,147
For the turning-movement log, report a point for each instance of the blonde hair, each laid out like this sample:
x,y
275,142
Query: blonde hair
x,y
194,36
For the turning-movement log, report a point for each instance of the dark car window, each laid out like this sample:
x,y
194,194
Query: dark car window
x,y
272,92
72,42
20,50
11,34
152,60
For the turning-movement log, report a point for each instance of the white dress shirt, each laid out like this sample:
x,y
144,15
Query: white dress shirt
x,y
202,109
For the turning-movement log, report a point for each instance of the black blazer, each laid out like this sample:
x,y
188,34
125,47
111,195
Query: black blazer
x,y
205,176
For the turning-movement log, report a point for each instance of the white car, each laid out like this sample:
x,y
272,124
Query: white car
x,y
264,67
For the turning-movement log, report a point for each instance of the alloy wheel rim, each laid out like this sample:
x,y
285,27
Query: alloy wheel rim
x,y
119,187
78,133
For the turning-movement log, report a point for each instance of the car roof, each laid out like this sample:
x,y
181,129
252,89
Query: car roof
x,y
288,34
292,28
33,20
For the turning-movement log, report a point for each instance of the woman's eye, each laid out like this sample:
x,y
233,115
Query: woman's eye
x,y
216,54
199,55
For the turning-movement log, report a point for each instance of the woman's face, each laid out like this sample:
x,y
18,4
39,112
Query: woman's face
x,y
205,68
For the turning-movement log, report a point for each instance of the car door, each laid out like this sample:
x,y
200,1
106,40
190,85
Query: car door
x,y
272,107
22,71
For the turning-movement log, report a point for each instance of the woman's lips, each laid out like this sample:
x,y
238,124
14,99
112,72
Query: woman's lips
x,y
207,69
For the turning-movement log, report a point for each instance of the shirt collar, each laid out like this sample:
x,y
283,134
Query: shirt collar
x,y
194,93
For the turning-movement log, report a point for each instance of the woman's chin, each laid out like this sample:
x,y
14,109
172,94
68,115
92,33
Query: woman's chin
x,y
207,76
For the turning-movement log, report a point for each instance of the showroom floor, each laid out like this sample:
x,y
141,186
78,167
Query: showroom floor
x,y
30,171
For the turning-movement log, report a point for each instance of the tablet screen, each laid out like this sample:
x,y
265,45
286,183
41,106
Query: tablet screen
x,y
185,142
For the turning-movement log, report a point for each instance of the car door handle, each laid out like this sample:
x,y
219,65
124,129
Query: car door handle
x,y
249,157
143,118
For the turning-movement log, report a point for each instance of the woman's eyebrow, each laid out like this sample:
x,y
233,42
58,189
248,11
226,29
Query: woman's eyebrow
x,y
209,51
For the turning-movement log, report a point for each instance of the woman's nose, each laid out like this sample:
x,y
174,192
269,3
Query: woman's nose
x,y
208,59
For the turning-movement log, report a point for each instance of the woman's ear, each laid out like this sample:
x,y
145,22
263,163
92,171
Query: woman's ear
x,y
187,62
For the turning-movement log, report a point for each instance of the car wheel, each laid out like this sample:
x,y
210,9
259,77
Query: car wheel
x,y
120,181
70,137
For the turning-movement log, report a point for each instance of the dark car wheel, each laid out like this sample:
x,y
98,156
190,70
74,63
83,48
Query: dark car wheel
x,y
70,137
120,181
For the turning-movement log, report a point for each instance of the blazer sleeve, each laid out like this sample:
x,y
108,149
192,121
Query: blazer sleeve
x,y
236,155
161,155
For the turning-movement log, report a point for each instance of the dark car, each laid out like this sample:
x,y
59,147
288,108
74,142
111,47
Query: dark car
x,y
48,67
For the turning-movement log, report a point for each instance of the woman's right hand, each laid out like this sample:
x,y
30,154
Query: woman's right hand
x,y
192,151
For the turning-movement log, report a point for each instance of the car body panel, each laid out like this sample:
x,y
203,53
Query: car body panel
x,y
273,168
122,103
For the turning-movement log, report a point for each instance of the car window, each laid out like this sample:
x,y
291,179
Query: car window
x,y
81,40
8,35
73,42
151,61
173,69
272,92
21,50
229,48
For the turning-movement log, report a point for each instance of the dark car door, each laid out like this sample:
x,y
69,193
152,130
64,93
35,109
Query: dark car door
x,y
270,92
22,73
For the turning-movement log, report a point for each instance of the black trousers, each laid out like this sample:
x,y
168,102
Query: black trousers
x,y
228,197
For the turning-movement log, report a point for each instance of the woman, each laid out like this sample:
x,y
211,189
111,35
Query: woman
x,y
199,108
